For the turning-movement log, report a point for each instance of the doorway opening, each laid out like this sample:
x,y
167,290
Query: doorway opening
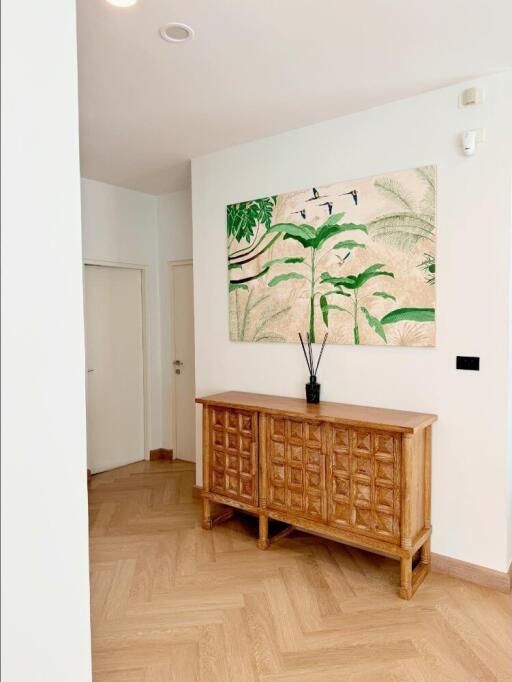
x,y
116,390
183,409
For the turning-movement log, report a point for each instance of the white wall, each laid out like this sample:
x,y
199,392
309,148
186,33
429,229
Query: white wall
x,y
174,244
474,198
120,226
45,581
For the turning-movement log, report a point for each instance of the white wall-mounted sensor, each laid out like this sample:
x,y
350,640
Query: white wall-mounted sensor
x,y
470,138
471,96
469,142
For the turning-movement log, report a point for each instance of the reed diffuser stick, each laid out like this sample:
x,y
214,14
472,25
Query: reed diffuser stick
x,y
310,355
305,355
321,351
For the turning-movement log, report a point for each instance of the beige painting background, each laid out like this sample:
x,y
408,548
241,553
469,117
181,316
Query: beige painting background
x,y
266,313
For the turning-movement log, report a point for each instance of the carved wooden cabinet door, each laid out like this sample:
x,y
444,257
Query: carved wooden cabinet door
x,y
296,467
233,458
363,479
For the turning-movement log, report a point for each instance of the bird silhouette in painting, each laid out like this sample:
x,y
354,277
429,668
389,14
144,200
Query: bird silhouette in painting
x,y
316,195
302,213
353,194
329,205
345,257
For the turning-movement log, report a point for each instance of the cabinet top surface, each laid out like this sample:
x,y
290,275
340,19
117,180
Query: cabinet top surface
x,y
357,415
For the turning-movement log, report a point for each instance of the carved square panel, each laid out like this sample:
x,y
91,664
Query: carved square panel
x,y
340,513
232,464
384,471
278,495
232,440
362,466
245,445
232,454
314,505
384,523
277,472
340,438
384,443
245,465
363,441
341,487
218,438
301,469
246,423
295,476
277,427
232,420
296,429
295,500
277,450
384,498
232,481
362,492
313,480
218,479
362,481
342,461
246,487
295,453
362,518
219,417
219,459
313,457
314,433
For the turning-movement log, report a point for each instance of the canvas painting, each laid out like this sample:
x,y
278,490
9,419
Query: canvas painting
x,y
356,259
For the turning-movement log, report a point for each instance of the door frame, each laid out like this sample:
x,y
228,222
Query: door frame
x,y
145,338
172,345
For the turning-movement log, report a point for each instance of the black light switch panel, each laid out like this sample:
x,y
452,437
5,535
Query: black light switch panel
x,y
467,362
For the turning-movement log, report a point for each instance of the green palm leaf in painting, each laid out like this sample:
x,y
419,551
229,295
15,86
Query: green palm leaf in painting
x,y
313,239
244,217
353,284
325,306
411,314
402,230
374,323
349,244
415,219
284,277
384,294
392,188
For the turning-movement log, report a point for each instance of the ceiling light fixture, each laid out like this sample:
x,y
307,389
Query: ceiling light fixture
x,y
122,3
175,32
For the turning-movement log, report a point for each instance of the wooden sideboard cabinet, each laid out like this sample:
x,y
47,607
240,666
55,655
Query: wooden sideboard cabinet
x,y
359,475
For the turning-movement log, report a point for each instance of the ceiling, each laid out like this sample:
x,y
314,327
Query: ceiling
x,y
260,67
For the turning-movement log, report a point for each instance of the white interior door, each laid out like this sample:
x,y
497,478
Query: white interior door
x,y
115,366
182,316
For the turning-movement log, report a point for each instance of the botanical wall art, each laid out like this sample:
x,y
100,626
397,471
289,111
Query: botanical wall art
x,y
356,259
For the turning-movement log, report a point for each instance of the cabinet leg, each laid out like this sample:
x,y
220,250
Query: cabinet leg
x,y
406,577
410,579
425,553
207,516
263,542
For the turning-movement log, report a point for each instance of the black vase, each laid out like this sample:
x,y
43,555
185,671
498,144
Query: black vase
x,y
312,391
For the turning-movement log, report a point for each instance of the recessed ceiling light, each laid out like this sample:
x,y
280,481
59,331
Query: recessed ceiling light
x,y
176,32
122,3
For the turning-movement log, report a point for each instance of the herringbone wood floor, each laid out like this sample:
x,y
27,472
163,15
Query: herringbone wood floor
x,y
173,602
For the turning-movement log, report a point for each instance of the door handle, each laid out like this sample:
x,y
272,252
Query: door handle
x,y
90,370
177,363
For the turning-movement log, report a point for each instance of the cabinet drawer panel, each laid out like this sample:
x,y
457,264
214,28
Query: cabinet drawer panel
x,y
363,472
296,467
233,454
